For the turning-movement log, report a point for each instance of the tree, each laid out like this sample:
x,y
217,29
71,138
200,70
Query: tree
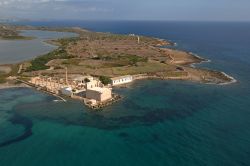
x,y
105,80
86,80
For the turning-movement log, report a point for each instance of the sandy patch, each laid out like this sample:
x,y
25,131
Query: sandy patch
x,y
5,69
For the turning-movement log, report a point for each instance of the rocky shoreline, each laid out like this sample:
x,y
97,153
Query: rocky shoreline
x,y
187,62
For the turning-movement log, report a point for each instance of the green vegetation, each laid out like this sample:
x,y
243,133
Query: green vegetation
x,y
2,78
176,74
17,38
65,41
106,55
133,59
40,62
14,70
105,80
142,68
74,61
86,80
120,59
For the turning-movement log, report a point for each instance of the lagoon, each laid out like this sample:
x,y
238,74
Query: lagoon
x,y
14,51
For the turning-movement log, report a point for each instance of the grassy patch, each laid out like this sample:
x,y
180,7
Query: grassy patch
x,y
105,80
100,62
176,74
14,70
120,59
2,78
40,62
17,38
65,41
133,59
141,68
71,62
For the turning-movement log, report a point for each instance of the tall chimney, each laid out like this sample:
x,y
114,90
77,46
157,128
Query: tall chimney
x,y
66,76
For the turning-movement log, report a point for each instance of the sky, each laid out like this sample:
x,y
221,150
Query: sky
x,y
174,10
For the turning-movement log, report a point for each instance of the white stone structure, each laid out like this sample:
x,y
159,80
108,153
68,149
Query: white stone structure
x,y
99,94
121,80
93,84
81,79
67,91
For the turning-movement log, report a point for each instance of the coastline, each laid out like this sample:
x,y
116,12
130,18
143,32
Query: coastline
x,y
23,85
10,86
233,80
203,60
187,78
135,78
190,61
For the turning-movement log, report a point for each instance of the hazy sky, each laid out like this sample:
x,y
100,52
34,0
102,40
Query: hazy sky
x,y
213,10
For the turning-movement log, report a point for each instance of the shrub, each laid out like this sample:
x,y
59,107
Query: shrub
x,y
133,59
2,79
86,80
105,80
40,62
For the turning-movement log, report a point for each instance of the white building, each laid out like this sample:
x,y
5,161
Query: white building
x,y
67,91
121,80
93,84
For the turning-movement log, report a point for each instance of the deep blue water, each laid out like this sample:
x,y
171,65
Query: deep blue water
x,y
157,123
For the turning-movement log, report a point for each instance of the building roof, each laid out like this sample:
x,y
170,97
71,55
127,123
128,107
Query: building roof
x,y
120,77
80,78
99,89
67,88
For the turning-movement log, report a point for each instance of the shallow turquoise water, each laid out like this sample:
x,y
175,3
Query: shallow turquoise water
x,y
157,122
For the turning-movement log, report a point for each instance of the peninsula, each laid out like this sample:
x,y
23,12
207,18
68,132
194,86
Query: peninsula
x,y
103,60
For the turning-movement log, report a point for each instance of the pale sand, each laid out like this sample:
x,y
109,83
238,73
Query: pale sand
x,y
5,69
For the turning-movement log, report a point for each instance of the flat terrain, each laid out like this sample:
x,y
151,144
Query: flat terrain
x,y
105,54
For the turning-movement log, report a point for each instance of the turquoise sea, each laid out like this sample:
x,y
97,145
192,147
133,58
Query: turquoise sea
x,y
158,123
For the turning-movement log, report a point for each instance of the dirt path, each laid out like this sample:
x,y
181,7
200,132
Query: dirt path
x,y
20,69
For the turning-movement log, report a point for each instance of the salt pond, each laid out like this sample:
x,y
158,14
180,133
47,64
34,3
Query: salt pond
x,y
14,51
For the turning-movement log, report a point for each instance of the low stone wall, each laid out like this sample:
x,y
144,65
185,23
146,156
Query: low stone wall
x,y
101,105
146,76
